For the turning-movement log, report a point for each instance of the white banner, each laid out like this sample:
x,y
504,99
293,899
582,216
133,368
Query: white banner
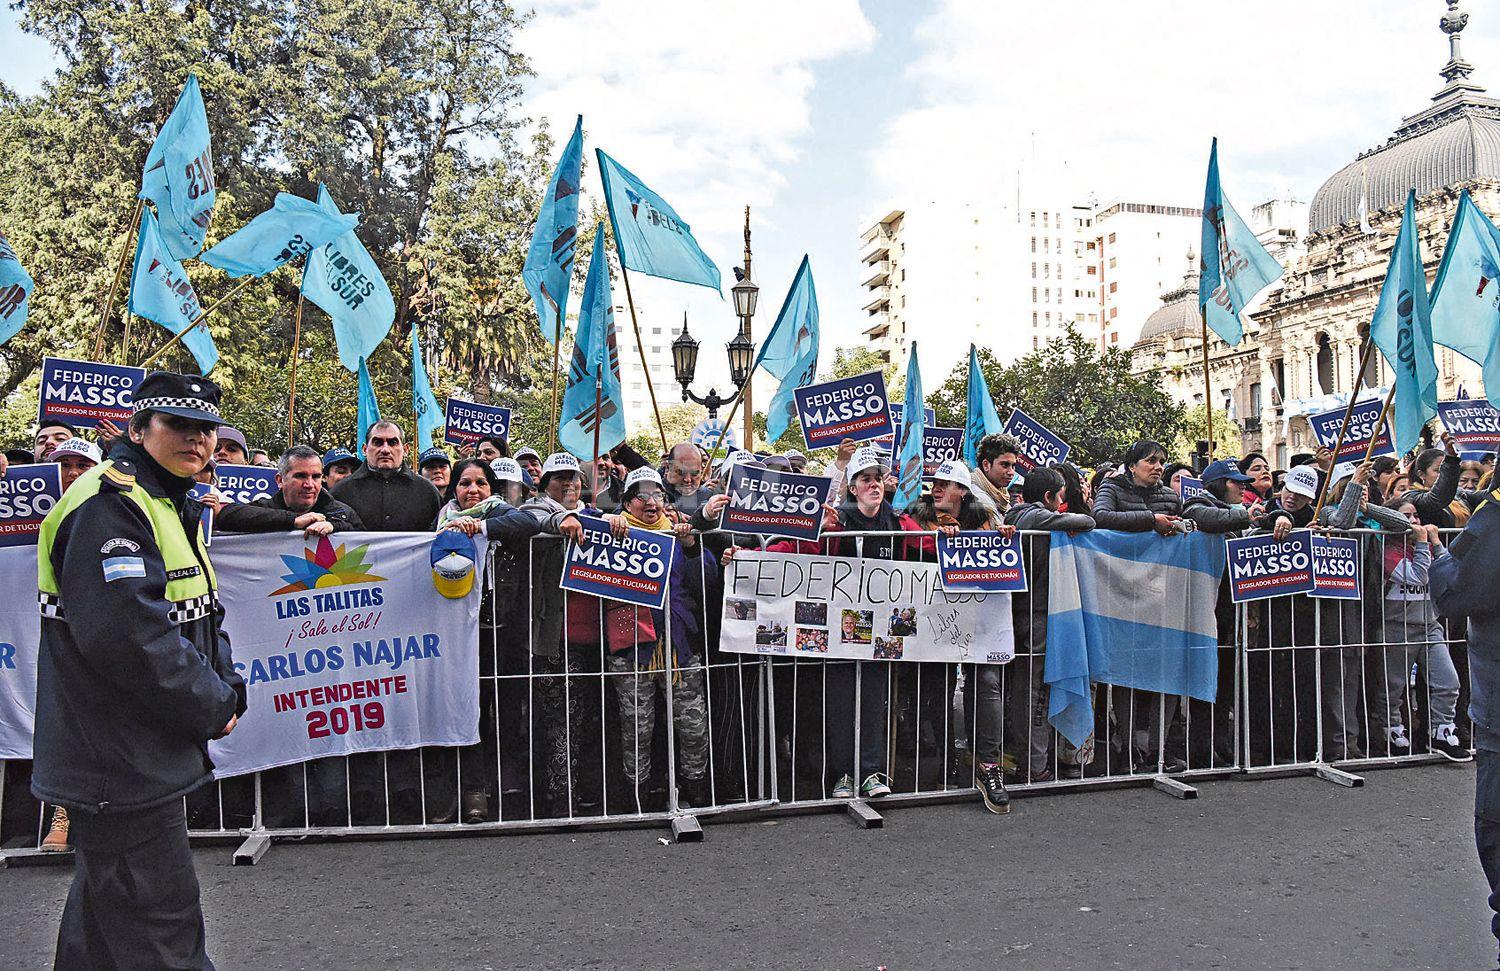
x,y
345,646
852,607
20,636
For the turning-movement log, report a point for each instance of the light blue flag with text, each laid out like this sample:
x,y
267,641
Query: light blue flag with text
x,y
649,235
179,176
424,403
1466,293
549,263
368,408
908,447
1234,267
161,291
15,291
790,350
341,277
291,228
1402,329
594,371
980,418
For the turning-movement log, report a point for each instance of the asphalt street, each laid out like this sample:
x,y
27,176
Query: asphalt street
x,y
1271,873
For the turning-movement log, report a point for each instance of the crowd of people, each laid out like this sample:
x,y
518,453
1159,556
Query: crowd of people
x,y
573,684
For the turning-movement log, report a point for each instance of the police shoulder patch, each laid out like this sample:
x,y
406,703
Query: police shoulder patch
x,y
120,543
119,474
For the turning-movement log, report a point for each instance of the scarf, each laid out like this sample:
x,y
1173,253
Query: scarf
x,y
479,510
657,651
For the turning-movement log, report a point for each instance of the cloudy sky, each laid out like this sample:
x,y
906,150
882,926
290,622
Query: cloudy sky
x,y
820,114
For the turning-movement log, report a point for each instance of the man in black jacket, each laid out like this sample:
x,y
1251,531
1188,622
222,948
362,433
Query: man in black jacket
x,y
387,496
302,502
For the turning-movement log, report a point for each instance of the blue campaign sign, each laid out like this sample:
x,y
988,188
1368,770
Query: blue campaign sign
x,y
1039,447
898,417
1362,422
246,483
982,561
1474,424
466,422
854,408
1261,567
1335,567
940,445
1188,487
632,570
27,494
206,517
84,393
775,503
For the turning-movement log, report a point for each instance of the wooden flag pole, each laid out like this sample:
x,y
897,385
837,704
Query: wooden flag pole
x,y
641,347
291,400
1385,413
598,424
125,343
556,355
1208,386
200,319
1327,481
114,286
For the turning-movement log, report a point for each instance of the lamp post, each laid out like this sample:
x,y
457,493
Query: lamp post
x,y
685,366
745,293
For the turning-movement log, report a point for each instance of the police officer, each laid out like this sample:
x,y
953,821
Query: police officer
x,y
134,678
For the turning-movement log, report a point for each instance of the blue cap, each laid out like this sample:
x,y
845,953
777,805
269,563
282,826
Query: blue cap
x,y
452,557
431,455
338,454
1224,469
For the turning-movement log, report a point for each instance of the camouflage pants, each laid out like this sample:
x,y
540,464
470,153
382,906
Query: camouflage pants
x,y
636,689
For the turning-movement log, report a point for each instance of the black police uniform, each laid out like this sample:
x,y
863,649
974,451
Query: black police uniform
x,y
133,679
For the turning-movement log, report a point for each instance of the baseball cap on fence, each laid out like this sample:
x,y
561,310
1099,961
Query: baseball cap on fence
x,y
453,555
79,446
956,472
507,470
864,458
338,454
433,456
1225,469
1303,480
560,462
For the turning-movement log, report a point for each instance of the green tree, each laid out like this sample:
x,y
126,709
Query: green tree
x,y
1090,399
1194,429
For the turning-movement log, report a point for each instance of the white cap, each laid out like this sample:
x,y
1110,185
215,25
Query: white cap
x,y
864,458
738,457
79,446
643,474
561,462
1303,480
506,470
794,454
956,472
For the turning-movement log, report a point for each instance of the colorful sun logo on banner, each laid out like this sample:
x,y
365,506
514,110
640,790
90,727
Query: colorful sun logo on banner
x,y
324,566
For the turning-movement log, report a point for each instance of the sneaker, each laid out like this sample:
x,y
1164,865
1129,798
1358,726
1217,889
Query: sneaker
x,y
1397,743
56,840
845,788
1445,742
1043,774
992,787
874,787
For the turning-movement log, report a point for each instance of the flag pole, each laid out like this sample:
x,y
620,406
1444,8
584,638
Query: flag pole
x,y
200,319
556,354
1208,385
598,424
1338,445
641,348
114,286
291,400
1385,413
125,344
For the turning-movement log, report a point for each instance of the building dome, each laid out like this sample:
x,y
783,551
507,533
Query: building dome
x,y
1456,140
1178,315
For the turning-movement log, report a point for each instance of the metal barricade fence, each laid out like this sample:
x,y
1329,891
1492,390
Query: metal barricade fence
x,y
597,714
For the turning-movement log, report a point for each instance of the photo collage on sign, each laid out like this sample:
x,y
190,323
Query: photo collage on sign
x,y
815,626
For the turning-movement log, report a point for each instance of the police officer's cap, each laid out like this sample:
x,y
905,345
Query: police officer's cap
x,y
183,395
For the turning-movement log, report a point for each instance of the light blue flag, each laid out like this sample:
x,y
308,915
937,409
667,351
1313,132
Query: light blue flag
x,y
1466,293
179,175
649,235
1402,329
342,278
596,357
790,350
15,291
424,403
980,418
908,448
1234,267
161,291
549,263
369,409
291,228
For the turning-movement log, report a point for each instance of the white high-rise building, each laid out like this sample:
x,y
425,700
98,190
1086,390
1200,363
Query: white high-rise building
x,y
1141,250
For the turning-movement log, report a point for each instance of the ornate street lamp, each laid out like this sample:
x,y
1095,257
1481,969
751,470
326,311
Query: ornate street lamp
x,y
685,366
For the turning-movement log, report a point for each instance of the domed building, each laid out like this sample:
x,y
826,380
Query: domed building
x,y
1302,346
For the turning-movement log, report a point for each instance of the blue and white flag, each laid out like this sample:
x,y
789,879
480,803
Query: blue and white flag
x,y
342,278
1234,267
369,409
424,403
161,291
1402,329
596,358
549,263
15,291
292,227
179,175
790,350
649,235
1466,293
980,418
909,453
1131,609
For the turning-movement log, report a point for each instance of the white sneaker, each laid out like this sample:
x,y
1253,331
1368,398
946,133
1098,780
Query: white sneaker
x,y
1445,742
1396,741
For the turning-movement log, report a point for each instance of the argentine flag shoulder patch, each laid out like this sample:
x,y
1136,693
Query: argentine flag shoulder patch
x,y
121,567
